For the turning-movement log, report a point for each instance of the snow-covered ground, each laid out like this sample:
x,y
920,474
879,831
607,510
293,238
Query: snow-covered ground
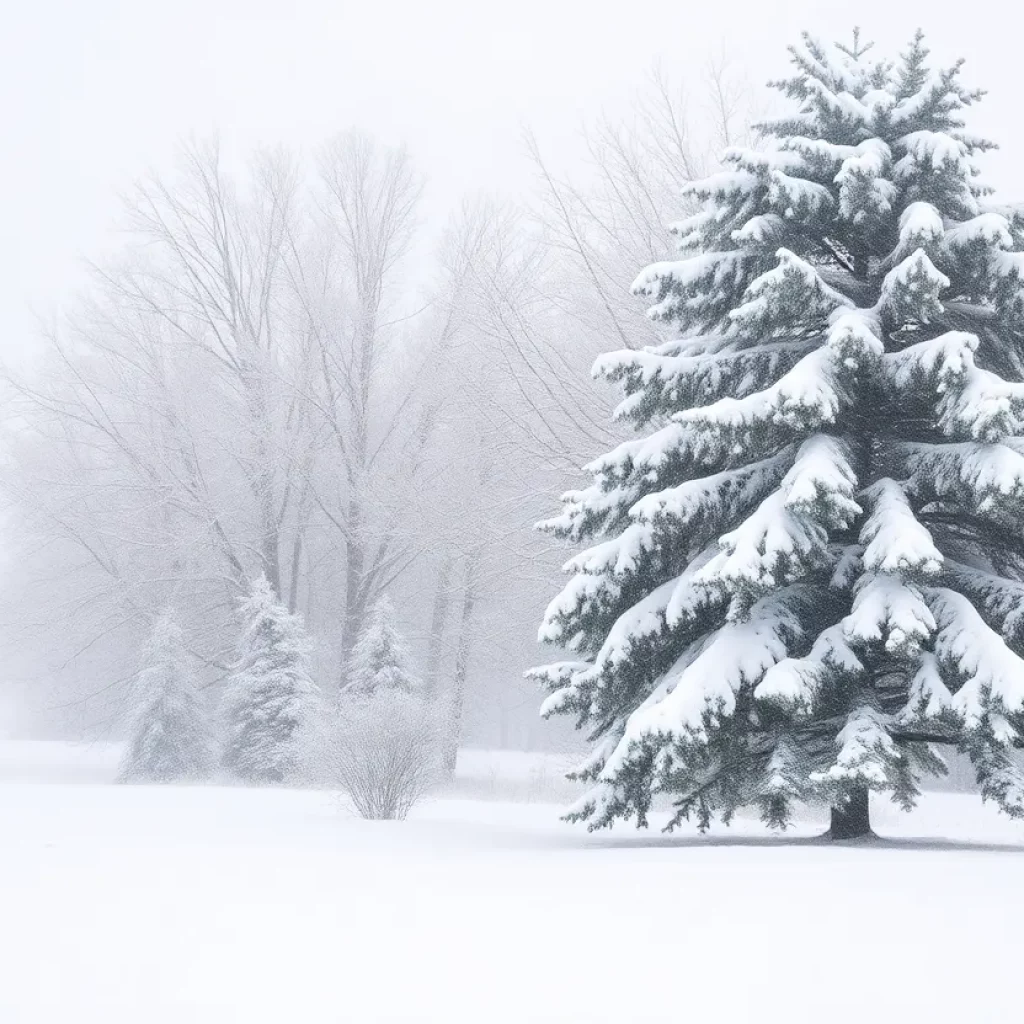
x,y
220,905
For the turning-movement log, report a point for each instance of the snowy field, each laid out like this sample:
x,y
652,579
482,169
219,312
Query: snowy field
x,y
219,905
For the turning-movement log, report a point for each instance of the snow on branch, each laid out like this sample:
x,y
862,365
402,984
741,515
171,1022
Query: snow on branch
x,y
971,401
910,292
705,690
702,372
717,498
794,683
822,483
683,287
646,618
929,698
864,191
806,397
867,754
887,609
1001,598
921,227
773,546
990,229
934,150
793,197
990,675
987,477
769,301
894,539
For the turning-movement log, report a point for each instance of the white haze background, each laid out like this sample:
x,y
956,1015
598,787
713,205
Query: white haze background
x,y
96,95
213,904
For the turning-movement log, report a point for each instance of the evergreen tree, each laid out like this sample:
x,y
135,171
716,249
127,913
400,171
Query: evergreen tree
x,y
271,703
380,661
806,575
169,737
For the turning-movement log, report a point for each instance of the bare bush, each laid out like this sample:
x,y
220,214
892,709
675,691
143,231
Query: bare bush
x,y
386,753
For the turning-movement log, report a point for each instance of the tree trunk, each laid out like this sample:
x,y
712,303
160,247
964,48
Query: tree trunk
x,y
453,732
296,560
435,643
852,820
355,543
355,610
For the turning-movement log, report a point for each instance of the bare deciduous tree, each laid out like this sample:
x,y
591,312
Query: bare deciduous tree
x,y
236,396
278,377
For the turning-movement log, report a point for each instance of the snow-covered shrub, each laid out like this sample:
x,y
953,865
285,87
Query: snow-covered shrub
x,y
384,749
386,752
169,737
271,704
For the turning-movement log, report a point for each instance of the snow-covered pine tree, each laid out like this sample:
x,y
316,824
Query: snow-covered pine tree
x,y
169,737
380,661
807,574
271,704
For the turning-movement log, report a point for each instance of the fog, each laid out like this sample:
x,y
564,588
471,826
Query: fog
x,y
95,93
99,95
454,456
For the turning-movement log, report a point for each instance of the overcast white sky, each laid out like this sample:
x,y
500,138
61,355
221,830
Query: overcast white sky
x,y
95,91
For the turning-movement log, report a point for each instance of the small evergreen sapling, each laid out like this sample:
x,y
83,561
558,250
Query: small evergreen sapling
x,y
387,748
271,703
807,573
380,661
169,736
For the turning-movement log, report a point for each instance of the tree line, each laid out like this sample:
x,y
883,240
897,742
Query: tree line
x,y
284,373
382,740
